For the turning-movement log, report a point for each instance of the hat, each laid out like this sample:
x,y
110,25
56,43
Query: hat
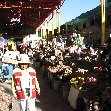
x,y
96,103
24,59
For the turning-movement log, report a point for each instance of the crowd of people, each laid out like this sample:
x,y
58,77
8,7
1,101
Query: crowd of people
x,y
66,62
71,61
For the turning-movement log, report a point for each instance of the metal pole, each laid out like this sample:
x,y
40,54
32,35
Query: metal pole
x,y
58,22
3,45
44,31
47,32
41,32
52,25
37,33
66,29
102,22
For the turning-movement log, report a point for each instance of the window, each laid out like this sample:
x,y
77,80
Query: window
x,y
84,25
98,21
109,20
76,28
92,23
108,0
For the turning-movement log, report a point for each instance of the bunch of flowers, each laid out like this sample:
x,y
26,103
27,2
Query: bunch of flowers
x,y
60,68
68,70
92,80
5,99
83,71
98,69
87,58
52,69
78,82
56,69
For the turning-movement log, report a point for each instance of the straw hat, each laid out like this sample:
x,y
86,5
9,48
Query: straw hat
x,y
24,59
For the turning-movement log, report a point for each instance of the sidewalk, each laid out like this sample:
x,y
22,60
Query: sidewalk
x,y
15,103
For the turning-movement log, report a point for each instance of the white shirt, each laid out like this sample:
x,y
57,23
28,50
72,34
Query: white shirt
x,y
25,81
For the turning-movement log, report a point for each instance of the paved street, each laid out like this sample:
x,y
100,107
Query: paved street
x,y
49,100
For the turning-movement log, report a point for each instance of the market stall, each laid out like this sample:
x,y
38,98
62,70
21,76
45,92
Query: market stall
x,y
76,75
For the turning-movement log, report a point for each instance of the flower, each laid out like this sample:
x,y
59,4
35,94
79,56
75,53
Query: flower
x,y
78,82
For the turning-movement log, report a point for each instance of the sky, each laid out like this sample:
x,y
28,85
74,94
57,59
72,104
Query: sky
x,y
73,8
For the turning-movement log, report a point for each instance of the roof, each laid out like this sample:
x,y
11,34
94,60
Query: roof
x,y
26,12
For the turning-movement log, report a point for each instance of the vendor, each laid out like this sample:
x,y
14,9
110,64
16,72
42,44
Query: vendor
x,y
11,45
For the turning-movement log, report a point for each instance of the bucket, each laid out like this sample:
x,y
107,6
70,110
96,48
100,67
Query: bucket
x,y
66,88
57,84
37,65
51,79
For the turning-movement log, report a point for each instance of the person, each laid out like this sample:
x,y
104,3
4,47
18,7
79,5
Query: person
x,y
25,84
11,45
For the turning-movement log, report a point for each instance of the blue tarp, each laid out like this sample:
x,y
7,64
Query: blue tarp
x,y
7,71
1,42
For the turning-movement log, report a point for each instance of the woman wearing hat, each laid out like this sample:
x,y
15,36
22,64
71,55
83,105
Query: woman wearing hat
x,y
25,84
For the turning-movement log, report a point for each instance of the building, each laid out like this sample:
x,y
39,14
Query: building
x,y
89,24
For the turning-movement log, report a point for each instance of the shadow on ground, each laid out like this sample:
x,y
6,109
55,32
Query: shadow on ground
x,y
49,99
